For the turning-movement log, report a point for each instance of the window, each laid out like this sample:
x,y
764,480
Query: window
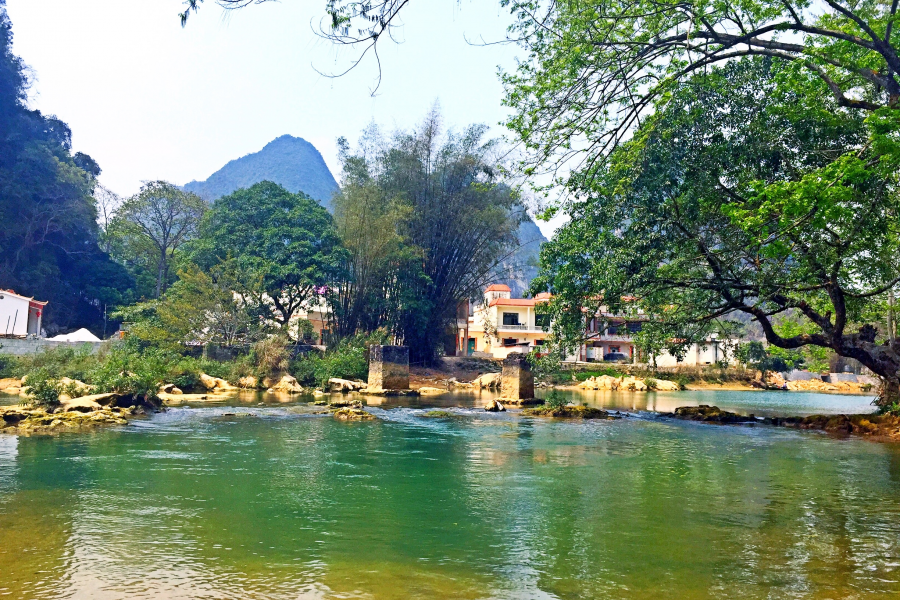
x,y
510,318
634,327
542,320
510,342
612,329
538,342
614,349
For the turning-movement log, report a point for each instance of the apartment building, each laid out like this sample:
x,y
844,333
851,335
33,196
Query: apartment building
x,y
500,324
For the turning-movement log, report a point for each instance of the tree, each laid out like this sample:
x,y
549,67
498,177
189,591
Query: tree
x,y
742,195
456,219
156,223
283,246
199,307
48,242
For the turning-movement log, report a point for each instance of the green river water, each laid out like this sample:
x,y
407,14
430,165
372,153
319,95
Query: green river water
x,y
270,502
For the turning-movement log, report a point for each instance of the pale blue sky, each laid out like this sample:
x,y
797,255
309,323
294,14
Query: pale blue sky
x,y
150,100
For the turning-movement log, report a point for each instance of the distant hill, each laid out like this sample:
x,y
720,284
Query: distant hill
x,y
289,161
296,165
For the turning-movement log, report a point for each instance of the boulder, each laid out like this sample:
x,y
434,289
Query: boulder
x,y
170,388
602,382
248,382
215,384
74,388
353,414
487,380
286,384
431,391
336,384
9,382
494,406
83,404
632,384
664,385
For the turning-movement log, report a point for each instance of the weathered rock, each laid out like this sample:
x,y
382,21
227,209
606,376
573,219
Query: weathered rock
x,y
318,392
25,420
336,384
83,404
487,380
342,402
170,388
10,382
216,384
601,382
709,414
248,382
388,368
881,426
516,379
568,412
452,382
494,406
353,414
72,388
632,384
431,391
664,385
288,385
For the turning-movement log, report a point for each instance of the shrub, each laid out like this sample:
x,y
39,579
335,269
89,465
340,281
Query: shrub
x,y
60,362
9,365
271,356
134,371
555,400
43,388
650,383
346,360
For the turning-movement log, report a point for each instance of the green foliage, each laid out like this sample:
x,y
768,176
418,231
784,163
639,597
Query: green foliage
x,y
149,229
756,356
555,399
271,356
740,195
48,241
43,388
9,365
281,247
427,217
347,360
74,363
650,383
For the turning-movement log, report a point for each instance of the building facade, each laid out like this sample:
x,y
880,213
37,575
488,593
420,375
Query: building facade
x,y
500,324
20,316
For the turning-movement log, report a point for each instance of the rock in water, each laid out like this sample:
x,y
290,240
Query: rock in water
x,y
215,384
287,384
494,406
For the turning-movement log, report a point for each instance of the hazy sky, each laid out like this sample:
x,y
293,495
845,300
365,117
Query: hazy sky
x,y
150,100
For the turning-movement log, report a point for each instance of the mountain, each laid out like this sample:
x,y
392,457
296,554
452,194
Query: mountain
x,y
295,164
289,161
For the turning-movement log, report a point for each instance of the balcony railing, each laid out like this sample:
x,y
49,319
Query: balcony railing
x,y
520,327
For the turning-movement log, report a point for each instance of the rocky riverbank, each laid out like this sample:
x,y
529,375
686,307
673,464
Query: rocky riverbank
x,y
26,420
883,427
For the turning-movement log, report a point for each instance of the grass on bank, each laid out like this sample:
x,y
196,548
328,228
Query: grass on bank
x,y
136,368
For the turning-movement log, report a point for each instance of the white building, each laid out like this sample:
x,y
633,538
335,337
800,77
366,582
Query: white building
x,y
500,325
20,316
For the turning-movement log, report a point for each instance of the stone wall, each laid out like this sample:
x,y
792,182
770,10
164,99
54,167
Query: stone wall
x,y
388,368
32,346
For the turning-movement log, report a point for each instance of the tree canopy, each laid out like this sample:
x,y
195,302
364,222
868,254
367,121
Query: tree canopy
x,y
428,218
741,195
48,242
282,247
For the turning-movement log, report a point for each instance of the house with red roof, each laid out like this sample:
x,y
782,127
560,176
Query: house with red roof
x,y
20,316
500,324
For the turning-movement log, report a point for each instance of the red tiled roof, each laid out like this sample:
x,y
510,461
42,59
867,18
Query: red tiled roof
x,y
498,287
517,301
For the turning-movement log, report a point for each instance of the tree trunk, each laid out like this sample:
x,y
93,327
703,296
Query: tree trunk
x,y
160,273
889,394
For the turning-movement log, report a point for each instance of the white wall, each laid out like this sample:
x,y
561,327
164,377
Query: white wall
x,y
13,315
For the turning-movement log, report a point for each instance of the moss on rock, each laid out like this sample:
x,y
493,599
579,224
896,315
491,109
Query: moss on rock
x,y
568,412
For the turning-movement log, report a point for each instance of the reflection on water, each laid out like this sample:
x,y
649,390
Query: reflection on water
x,y
270,503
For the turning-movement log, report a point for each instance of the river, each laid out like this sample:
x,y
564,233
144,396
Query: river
x,y
246,501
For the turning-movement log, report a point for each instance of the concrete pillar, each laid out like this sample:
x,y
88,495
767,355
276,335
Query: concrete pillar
x,y
516,380
388,368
